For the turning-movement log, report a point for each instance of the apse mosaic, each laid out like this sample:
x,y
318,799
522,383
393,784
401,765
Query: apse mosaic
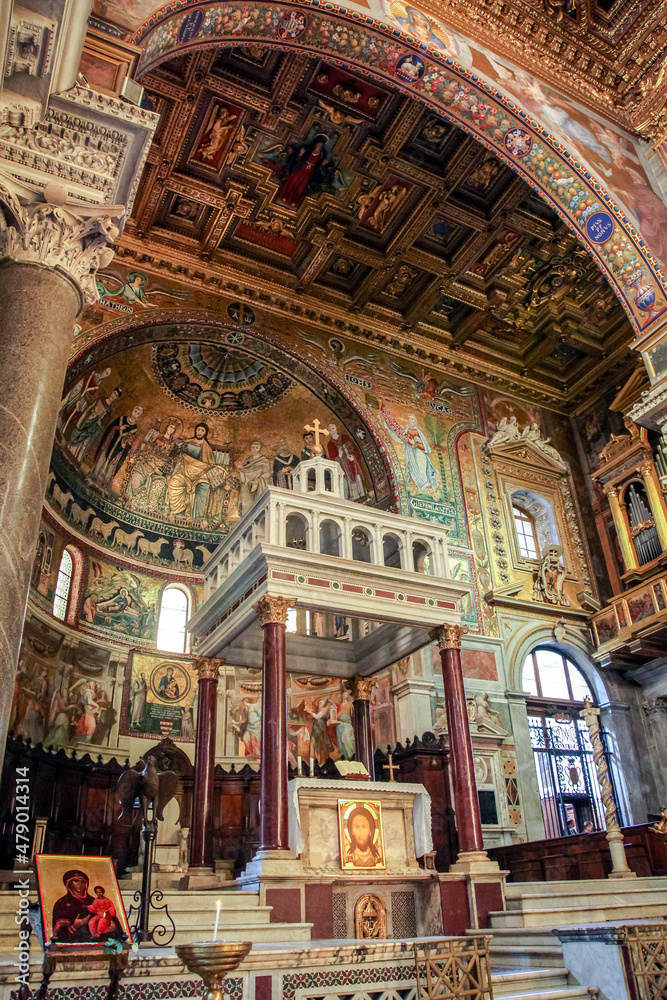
x,y
161,446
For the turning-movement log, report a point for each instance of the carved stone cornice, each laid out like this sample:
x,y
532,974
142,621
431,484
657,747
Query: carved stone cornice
x,y
208,668
448,636
361,687
72,239
657,706
273,610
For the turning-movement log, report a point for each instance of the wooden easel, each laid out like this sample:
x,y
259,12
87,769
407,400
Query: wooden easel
x,y
58,957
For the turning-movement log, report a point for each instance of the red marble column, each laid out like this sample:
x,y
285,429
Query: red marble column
x,y
466,804
361,688
274,830
201,840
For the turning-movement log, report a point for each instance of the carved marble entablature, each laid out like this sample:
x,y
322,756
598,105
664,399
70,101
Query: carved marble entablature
x,y
92,144
535,502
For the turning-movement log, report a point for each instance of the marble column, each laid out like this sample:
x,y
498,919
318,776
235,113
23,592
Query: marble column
x,y
48,257
361,688
620,869
201,839
274,831
466,805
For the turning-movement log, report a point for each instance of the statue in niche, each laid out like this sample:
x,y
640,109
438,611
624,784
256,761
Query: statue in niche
x,y
551,577
485,717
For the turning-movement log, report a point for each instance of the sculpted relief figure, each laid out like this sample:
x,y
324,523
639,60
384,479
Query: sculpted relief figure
x,y
508,431
485,717
551,577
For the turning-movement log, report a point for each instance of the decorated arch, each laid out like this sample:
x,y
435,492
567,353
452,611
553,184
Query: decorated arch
x,y
420,56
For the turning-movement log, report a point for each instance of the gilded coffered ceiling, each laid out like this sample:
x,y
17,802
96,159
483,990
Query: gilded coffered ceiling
x,y
295,176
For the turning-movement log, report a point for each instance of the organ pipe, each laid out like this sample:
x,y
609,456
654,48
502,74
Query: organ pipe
x,y
642,527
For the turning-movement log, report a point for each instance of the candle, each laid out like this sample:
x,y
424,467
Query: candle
x,y
298,766
312,767
217,921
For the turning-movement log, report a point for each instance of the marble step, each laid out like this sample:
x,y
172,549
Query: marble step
x,y
558,993
511,982
524,948
234,901
569,887
257,933
621,891
584,912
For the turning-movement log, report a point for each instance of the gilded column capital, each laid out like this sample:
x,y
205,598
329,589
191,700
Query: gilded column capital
x,y
645,468
273,610
72,238
208,668
361,687
610,491
448,636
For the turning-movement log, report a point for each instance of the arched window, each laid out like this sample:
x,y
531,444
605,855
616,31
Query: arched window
x,y
525,533
562,750
63,585
174,608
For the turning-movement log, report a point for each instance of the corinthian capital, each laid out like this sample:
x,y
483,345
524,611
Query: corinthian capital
x,y
207,667
361,687
273,610
74,238
448,636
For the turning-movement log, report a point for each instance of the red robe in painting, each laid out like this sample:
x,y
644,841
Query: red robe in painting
x,y
295,187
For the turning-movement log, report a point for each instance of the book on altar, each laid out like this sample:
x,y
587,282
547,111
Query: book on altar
x,y
353,770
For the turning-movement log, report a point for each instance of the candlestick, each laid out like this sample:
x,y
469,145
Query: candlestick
x,y
217,921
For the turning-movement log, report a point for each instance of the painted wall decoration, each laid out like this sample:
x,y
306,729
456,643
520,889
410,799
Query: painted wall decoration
x,y
160,697
60,701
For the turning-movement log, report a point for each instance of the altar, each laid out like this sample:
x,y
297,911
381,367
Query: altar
x,y
362,839
317,825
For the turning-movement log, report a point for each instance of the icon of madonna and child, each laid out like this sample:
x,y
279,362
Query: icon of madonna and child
x,y
79,915
361,835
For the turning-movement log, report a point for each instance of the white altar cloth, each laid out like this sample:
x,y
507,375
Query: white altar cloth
x,y
421,806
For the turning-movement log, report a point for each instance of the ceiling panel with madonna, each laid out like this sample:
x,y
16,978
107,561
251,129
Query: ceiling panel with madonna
x,y
306,178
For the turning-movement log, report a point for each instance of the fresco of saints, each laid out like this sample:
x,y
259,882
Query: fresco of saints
x,y
419,469
248,726
139,695
341,448
254,474
321,745
196,488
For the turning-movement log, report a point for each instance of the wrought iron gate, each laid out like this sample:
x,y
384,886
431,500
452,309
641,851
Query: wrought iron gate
x,y
566,774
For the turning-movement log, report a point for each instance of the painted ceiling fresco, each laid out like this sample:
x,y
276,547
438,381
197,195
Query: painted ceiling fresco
x,y
294,171
161,445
